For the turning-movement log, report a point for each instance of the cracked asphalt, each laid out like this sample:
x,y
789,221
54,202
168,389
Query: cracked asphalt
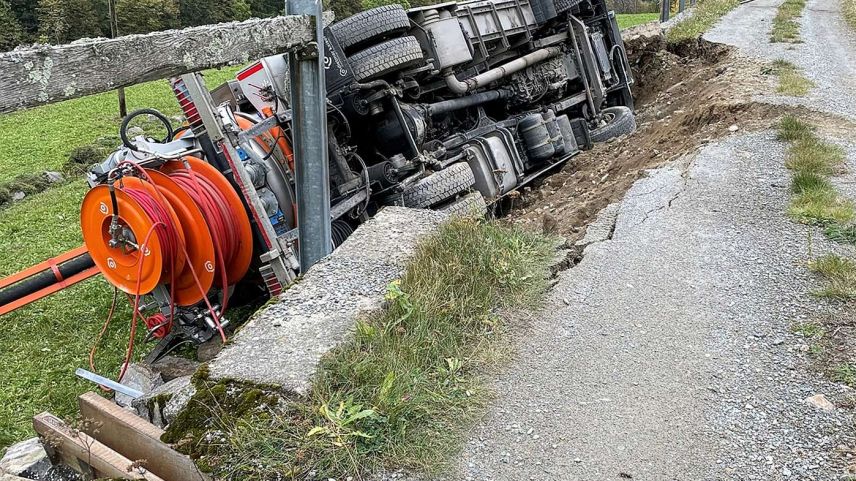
x,y
667,353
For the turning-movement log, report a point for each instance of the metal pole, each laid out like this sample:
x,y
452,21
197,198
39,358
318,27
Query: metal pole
x,y
309,124
114,32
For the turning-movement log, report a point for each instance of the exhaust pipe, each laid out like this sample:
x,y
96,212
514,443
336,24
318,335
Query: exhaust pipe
x,y
445,106
502,71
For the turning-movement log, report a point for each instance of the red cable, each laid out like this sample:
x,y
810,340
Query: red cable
x,y
164,202
215,208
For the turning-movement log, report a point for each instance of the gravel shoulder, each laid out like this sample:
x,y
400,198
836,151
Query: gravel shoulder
x,y
827,54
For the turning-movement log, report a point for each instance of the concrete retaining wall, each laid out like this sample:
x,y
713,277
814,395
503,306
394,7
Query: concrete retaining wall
x,y
283,343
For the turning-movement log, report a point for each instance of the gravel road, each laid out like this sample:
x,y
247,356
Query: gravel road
x,y
827,54
668,352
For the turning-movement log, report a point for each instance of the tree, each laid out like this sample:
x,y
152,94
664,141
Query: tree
x,y
266,8
144,16
344,8
25,12
62,21
204,12
11,34
367,4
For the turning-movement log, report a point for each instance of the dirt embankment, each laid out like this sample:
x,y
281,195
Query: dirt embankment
x,y
686,95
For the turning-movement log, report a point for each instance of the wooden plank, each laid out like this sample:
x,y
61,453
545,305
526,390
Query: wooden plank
x,y
78,449
134,438
41,74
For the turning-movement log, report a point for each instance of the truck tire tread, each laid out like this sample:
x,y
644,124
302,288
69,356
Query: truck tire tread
x,y
471,205
623,123
386,57
439,186
359,29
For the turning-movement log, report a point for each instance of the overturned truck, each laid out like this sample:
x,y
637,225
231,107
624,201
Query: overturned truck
x,y
448,106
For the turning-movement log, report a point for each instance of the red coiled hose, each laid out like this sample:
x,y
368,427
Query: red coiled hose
x,y
224,232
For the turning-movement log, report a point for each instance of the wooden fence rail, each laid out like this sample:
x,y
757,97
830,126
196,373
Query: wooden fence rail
x,y
42,74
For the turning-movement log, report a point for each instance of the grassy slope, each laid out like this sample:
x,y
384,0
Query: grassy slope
x,y
42,344
627,20
402,391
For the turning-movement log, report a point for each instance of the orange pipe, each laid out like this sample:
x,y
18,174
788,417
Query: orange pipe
x,y
279,135
51,264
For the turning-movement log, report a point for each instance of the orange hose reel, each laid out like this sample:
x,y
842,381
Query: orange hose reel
x,y
121,266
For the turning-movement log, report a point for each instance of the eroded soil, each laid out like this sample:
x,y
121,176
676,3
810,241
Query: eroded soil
x,y
686,96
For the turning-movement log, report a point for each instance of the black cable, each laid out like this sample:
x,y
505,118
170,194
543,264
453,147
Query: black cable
x,y
123,134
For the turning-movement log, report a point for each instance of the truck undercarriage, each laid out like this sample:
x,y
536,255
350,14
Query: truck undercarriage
x,y
449,106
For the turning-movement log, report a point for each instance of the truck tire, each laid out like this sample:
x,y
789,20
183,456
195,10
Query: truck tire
x,y
360,29
471,205
565,5
619,121
439,186
386,57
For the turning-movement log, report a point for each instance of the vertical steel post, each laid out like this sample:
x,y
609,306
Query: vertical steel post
x,y
114,32
309,124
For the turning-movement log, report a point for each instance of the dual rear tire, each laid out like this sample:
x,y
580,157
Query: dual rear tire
x,y
374,45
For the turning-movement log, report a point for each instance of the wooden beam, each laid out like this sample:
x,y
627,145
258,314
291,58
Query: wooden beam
x,y
134,438
77,449
41,74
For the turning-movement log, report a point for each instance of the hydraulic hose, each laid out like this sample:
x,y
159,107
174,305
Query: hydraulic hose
x,y
504,70
45,279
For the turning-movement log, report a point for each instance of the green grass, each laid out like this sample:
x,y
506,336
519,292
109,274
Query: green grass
x,y
811,161
791,80
815,156
42,344
839,274
705,15
814,334
785,26
791,129
844,234
405,388
809,330
845,373
42,138
627,20
848,10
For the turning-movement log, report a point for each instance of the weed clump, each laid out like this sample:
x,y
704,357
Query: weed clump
x,y
791,80
848,10
791,129
840,275
785,26
812,161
